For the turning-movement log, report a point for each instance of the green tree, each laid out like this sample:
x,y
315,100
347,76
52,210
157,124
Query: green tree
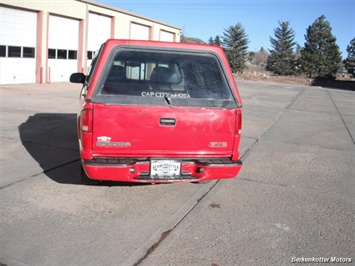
x,y
350,60
320,56
235,44
281,60
215,41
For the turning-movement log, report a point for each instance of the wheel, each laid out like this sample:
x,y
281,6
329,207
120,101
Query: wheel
x,y
86,180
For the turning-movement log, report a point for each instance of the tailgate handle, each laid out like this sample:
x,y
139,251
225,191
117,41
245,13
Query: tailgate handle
x,y
167,121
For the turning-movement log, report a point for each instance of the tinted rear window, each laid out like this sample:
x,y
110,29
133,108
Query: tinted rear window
x,y
152,77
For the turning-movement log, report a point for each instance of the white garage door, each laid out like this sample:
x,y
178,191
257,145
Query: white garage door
x,y
166,36
18,31
63,44
99,30
140,32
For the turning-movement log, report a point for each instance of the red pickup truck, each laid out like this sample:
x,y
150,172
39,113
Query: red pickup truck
x,y
157,112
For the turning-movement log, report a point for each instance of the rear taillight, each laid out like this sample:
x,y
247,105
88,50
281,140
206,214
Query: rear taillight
x,y
237,136
238,122
86,118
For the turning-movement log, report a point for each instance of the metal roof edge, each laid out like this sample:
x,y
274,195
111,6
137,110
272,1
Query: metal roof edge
x,y
127,12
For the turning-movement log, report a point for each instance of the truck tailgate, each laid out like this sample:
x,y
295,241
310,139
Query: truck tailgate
x,y
138,131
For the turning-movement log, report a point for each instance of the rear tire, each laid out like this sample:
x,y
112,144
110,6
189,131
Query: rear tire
x,y
85,180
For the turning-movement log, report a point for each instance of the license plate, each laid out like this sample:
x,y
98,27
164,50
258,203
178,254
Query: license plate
x,y
164,168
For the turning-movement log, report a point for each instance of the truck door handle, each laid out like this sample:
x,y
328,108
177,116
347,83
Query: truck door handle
x,y
167,121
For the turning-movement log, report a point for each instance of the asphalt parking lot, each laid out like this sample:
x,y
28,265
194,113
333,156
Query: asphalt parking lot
x,y
293,201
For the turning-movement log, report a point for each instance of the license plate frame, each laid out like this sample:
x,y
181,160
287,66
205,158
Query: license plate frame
x,y
165,168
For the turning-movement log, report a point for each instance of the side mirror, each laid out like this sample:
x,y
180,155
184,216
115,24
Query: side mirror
x,y
77,78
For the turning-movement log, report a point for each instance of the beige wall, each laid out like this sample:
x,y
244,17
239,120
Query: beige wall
x,y
79,9
68,8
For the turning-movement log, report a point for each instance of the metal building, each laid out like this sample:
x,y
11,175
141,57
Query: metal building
x,y
46,41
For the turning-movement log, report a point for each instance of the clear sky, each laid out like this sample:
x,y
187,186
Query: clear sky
x,y
207,18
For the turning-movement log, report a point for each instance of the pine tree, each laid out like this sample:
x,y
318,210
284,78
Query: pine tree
x,y
320,56
281,60
350,60
215,41
235,43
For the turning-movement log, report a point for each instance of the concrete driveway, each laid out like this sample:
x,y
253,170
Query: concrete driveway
x,y
294,200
